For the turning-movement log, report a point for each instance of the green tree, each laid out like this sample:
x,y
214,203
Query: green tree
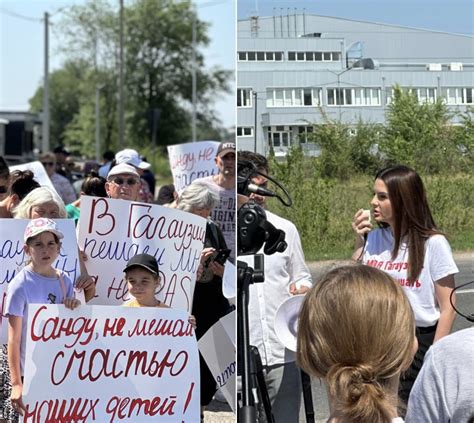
x,y
65,87
158,66
420,134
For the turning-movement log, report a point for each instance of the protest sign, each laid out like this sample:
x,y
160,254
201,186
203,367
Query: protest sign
x,y
229,287
191,161
113,231
13,258
38,170
108,364
218,351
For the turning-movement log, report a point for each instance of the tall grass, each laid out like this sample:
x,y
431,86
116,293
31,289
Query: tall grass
x,y
323,208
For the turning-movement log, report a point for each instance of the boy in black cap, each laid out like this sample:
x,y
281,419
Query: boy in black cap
x,y
141,274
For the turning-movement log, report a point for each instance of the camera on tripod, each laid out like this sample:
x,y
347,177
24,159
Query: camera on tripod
x,y
254,231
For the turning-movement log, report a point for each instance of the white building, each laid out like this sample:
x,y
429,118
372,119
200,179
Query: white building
x,y
302,67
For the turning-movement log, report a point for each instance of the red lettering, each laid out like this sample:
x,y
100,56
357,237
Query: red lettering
x,y
93,219
56,327
92,365
117,407
115,327
53,411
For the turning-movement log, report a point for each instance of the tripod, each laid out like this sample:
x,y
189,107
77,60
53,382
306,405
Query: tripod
x,y
253,383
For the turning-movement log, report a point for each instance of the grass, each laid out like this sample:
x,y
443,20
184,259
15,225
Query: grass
x,y
323,211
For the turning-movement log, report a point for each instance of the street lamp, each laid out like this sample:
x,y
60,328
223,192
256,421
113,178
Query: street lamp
x,y
338,98
254,94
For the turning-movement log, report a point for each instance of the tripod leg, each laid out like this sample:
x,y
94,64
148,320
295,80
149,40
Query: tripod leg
x,y
263,392
307,397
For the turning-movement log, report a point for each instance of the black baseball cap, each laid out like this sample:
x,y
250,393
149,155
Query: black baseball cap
x,y
61,149
225,147
146,261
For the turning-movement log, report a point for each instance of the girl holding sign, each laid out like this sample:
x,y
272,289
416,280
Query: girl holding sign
x,y
36,283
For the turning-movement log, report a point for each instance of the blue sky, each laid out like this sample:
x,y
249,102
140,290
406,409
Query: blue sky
x,y
21,48
442,15
21,40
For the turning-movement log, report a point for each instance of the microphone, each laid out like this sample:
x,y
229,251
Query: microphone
x,y
260,190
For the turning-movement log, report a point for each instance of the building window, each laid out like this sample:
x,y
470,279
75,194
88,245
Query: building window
x,y
311,56
260,56
293,97
459,96
353,97
244,97
279,137
423,95
305,134
245,131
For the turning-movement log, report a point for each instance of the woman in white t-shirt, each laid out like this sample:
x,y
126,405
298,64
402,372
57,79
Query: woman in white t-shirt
x,y
409,247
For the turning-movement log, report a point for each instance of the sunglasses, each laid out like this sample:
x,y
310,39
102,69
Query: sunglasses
x,y
3,189
128,181
47,163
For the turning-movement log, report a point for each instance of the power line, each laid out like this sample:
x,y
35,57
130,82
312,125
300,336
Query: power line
x,y
19,16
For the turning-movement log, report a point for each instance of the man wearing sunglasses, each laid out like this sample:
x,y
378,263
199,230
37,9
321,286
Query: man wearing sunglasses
x,y
123,182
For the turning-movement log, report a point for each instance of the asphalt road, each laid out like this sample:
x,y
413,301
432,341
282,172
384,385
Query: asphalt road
x,y
465,304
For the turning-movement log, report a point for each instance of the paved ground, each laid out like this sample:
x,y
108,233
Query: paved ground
x,y
219,412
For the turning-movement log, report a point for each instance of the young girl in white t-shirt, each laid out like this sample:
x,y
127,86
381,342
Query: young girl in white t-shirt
x,y
410,248
36,283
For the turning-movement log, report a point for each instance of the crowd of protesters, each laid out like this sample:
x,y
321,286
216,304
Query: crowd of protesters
x,y
127,176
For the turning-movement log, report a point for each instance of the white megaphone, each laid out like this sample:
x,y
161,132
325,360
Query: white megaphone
x,y
286,321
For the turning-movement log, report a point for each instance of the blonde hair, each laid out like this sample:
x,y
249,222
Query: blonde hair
x,y
357,331
38,197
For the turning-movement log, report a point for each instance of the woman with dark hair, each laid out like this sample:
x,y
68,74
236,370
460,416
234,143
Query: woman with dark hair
x,y
409,247
20,184
93,185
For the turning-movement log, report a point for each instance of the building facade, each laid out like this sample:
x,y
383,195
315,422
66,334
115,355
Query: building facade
x,y
298,70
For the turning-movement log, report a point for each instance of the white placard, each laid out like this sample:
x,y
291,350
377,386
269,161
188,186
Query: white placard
x,y
110,364
228,281
111,232
38,170
191,161
13,258
218,351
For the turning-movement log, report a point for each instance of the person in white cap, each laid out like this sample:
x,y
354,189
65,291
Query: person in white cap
x,y
224,184
131,157
123,182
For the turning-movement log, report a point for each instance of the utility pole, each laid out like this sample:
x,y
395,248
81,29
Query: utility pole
x,y
121,82
254,93
193,72
45,141
97,122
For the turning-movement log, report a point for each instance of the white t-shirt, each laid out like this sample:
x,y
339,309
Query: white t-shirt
x,y
438,264
281,269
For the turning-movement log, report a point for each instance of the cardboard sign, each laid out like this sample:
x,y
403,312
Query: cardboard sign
x,y
218,351
191,161
38,170
110,364
13,258
111,232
